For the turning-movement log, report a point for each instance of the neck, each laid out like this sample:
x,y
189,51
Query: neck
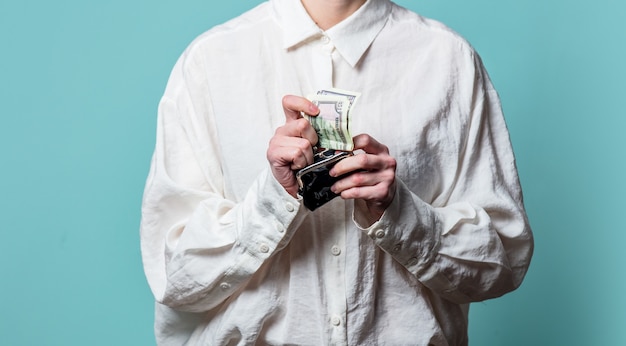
x,y
328,13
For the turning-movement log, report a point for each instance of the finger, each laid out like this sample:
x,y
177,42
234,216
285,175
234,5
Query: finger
x,y
292,157
361,180
299,128
290,151
378,192
364,162
368,144
300,152
295,105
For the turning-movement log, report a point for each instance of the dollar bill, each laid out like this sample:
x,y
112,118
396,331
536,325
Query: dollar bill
x,y
351,95
332,123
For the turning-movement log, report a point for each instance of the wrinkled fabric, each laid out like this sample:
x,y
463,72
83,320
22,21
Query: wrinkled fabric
x,y
233,259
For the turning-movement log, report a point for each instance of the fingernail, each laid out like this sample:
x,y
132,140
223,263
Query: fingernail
x,y
313,108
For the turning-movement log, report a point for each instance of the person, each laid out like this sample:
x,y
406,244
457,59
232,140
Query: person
x,y
431,220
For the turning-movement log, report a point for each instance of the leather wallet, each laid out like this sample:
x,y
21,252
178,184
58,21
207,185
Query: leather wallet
x,y
314,182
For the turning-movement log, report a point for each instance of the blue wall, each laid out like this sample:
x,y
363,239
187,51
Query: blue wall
x,y
79,85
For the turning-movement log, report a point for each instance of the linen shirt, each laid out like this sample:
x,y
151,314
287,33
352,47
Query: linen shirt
x,y
233,259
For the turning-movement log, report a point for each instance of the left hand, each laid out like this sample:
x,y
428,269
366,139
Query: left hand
x,y
375,183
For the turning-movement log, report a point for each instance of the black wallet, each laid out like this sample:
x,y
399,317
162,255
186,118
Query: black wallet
x,y
314,182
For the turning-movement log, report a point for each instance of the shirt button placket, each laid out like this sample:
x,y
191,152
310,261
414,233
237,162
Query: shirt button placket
x,y
323,61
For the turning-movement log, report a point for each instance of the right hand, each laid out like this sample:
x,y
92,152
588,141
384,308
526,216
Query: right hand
x,y
291,146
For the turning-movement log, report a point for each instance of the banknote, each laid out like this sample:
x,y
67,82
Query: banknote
x,y
332,123
351,95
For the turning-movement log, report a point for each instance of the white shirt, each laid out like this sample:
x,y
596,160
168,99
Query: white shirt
x,y
233,259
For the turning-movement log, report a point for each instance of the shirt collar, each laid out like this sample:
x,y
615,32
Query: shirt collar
x,y
351,37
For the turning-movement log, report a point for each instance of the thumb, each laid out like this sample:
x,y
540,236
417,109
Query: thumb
x,y
293,106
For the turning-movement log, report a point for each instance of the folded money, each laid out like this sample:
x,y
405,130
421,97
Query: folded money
x,y
332,123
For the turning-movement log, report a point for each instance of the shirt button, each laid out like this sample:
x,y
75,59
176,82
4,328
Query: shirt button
x,y
397,248
279,226
380,234
289,207
325,39
412,262
336,321
335,250
264,248
224,285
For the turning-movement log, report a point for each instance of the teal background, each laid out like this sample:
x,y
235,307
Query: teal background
x,y
79,86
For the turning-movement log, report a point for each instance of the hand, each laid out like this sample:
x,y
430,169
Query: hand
x,y
375,183
291,146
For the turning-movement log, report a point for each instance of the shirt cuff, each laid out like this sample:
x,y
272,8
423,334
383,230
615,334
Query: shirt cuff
x,y
408,230
275,216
